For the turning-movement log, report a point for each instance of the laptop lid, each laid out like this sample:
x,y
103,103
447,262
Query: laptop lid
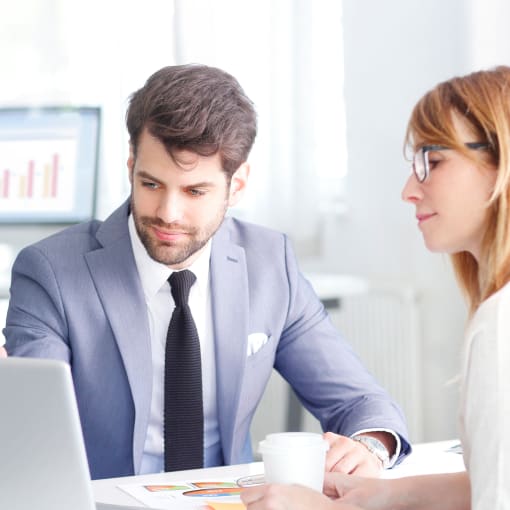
x,y
43,464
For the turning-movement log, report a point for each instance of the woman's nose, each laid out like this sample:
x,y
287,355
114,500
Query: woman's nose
x,y
412,192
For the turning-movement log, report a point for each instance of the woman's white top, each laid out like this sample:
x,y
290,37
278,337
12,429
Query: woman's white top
x,y
485,403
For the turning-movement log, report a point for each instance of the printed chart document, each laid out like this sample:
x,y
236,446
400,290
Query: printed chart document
x,y
218,494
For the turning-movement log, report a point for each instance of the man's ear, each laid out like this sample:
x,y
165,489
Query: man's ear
x,y
238,184
131,162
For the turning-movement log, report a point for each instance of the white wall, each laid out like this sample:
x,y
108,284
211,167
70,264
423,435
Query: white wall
x,y
395,51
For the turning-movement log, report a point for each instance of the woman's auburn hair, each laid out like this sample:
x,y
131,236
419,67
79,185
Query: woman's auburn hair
x,y
482,99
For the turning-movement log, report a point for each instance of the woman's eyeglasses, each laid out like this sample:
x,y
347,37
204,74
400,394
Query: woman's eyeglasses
x,y
421,167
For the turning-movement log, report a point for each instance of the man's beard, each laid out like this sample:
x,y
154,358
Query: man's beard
x,y
170,253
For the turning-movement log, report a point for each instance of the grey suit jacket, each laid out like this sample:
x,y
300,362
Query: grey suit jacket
x,y
76,296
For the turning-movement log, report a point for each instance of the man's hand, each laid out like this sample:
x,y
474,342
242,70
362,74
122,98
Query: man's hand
x,y
3,352
351,457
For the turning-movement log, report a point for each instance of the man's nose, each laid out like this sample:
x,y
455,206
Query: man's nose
x,y
171,208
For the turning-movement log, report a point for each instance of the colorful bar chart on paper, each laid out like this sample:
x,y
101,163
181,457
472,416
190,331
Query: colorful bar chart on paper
x,y
37,175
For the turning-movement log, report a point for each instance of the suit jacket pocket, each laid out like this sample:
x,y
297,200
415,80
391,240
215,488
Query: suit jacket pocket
x,y
259,347
257,371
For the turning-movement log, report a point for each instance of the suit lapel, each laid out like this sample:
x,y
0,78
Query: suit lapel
x,y
229,297
115,275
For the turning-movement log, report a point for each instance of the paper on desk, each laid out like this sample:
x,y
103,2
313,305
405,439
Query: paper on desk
x,y
188,495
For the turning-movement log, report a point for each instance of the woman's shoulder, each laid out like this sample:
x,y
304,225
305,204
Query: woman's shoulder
x,y
497,301
491,320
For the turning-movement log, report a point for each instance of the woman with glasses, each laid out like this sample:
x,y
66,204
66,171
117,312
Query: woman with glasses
x,y
460,188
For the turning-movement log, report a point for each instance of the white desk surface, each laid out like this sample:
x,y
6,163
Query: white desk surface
x,y
426,458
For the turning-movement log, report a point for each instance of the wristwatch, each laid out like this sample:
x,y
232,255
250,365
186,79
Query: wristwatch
x,y
374,446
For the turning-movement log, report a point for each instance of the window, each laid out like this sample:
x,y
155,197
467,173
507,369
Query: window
x,y
288,56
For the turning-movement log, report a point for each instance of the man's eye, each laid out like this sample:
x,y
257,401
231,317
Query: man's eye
x,y
196,192
149,184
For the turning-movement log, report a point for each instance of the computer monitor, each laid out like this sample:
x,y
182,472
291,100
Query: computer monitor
x,y
48,164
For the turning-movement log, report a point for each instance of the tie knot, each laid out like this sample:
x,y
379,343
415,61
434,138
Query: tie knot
x,y
180,285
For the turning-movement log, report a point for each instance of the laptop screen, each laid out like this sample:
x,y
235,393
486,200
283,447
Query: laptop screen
x,y
43,464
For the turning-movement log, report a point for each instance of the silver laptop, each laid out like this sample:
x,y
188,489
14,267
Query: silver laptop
x,y
43,464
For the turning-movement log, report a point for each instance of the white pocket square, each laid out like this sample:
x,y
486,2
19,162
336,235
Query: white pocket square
x,y
255,342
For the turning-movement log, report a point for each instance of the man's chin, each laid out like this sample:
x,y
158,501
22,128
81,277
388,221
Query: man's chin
x,y
170,259
173,256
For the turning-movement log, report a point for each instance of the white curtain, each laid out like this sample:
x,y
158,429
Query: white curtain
x,y
288,56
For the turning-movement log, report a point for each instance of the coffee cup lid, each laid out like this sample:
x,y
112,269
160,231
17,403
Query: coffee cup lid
x,y
294,440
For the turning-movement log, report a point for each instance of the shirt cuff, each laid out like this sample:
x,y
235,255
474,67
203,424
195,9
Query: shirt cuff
x,y
398,445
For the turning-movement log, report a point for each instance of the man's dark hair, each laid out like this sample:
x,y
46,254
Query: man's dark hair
x,y
198,108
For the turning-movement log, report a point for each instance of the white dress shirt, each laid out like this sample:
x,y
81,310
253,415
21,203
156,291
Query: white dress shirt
x,y
160,306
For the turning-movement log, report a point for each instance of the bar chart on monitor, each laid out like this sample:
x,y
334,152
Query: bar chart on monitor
x,y
37,175
48,164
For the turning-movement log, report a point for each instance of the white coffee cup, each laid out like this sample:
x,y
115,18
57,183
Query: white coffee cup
x,y
294,458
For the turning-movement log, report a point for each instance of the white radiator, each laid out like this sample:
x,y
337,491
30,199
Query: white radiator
x,y
382,325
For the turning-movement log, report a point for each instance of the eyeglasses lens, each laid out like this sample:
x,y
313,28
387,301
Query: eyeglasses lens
x,y
419,165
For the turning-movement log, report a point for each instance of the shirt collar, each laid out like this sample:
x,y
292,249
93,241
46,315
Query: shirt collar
x,y
153,275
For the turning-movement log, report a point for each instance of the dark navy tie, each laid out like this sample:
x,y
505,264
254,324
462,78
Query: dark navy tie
x,y
184,414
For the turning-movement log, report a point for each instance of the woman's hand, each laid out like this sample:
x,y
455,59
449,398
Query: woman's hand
x,y
289,497
368,493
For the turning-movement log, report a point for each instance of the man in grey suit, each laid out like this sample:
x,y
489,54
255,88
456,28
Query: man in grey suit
x,y
96,296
